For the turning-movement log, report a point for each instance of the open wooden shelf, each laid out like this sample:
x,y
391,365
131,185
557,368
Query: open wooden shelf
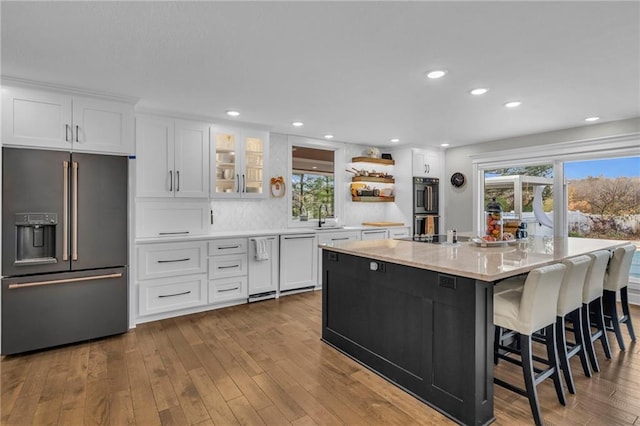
x,y
374,199
373,160
372,179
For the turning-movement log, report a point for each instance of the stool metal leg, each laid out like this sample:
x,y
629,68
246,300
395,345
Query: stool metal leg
x,y
624,298
611,310
529,377
561,343
600,325
586,331
552,356
580,340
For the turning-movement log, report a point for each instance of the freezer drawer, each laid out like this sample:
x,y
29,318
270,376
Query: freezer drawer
x,y
50,310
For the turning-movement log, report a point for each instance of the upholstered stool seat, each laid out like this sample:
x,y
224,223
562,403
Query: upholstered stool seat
x,y
524,310
617,280
592,307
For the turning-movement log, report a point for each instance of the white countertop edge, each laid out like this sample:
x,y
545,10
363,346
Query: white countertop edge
x,y
255,233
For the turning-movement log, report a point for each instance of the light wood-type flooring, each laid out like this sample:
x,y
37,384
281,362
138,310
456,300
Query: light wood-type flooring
x,y
264,363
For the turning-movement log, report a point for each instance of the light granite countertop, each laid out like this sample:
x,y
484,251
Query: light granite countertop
x,y
468,260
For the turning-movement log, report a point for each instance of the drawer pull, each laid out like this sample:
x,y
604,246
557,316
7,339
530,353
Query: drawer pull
x,y
228,289
227,247
229,266
173,233
176,294
339,239
300,238
174,260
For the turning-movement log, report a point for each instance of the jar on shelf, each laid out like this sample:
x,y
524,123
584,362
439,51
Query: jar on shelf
x,y
494,221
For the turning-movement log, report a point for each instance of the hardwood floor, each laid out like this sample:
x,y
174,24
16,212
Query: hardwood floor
x,y
264,363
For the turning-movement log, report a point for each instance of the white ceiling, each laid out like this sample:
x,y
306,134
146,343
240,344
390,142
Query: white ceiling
x,y
353,69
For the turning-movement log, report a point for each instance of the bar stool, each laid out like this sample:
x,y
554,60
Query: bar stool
x,y
525,310
570,307
617,279
592,307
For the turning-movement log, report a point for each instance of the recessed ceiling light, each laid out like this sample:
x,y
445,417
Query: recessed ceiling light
x,y
394,140
479,91
233,113
297,124
436,73
444,145
592,118
513,104
314,167
328,136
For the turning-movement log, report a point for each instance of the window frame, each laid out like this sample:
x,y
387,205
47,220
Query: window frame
x,y
338,178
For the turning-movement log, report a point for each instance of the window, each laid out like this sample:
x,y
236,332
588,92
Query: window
x,y
313,182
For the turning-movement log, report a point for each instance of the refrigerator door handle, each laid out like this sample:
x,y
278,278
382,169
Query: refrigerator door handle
x,y
65,210
74,212
65,281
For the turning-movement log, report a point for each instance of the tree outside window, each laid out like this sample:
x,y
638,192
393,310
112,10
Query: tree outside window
x,y
310,191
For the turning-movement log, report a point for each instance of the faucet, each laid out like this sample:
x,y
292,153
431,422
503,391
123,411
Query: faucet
x,y
320,221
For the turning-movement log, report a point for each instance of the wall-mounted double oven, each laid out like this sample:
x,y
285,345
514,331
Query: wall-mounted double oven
x,y
426,215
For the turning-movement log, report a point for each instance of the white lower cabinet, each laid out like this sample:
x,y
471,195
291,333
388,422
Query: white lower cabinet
x,y
263,274
171,294
171,276
399,232
333,237
228,270
298,261
227,289
375,234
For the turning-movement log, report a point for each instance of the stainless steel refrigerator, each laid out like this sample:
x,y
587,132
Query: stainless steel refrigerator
x,y
64,248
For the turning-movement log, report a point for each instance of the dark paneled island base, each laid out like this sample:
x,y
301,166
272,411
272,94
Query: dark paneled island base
x,y
425,331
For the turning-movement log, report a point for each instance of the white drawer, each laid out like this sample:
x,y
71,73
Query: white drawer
x,y
157,218
332,237
171,259
170,294
399,233
227,246
233,265
226,289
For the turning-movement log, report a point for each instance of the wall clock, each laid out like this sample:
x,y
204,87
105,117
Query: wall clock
x,y
458,179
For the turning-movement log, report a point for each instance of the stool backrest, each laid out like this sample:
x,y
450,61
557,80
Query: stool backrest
x,y
540,295
617,275
570,297
595,275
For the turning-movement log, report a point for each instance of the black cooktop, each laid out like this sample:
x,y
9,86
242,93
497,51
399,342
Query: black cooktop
x,y
437,239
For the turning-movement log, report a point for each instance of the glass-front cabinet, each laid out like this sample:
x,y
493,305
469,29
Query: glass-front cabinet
x,y
239,159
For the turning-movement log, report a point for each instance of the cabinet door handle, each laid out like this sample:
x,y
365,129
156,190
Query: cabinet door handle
x,y
244,184
425,168
170,180
173,233
227,247
177,180
175,294
228,289
237,183
211,216
66,133
228,266
174,260
77,132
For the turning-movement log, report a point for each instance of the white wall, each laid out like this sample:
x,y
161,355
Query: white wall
x,y
459,201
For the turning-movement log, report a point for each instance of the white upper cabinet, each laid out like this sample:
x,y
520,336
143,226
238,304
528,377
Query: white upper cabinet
x,y
172,158
55,120
238,159
427,163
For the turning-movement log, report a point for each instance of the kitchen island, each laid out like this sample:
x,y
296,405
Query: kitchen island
x,y
421,315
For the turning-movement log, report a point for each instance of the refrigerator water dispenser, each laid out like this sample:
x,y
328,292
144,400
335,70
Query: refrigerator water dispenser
x,y
35,238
